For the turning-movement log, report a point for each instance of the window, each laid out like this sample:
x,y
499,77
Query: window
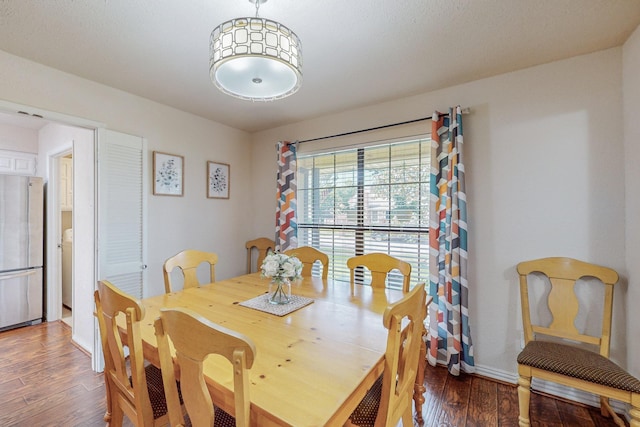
x,y
363,200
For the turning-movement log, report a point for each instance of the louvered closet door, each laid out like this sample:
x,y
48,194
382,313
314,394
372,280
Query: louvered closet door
x,y
122,176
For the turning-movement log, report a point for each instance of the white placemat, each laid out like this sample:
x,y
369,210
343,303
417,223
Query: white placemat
x,y
261,302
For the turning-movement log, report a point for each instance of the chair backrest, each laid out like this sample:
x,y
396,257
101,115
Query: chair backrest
x,y
308,256
563,273
127,395
263,245
405,322
188,261
380,264
194,338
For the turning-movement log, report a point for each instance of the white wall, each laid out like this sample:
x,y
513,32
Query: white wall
x,y
174,223
54,139
18,138
543,179
631,96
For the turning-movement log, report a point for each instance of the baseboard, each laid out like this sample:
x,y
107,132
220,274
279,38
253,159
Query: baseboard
x,y
554,389
81,345
496,374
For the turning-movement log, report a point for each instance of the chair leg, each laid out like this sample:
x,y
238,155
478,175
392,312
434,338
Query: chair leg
x,y
524,397
117,416
604,407
107,413
419,388
407,417
107,416
114,406
607,411
634,412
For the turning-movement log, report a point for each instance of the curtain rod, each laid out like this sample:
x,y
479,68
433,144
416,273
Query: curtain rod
x,y
464,111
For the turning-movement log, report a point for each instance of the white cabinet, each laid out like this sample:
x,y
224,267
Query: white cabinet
x,y
66,183
18,162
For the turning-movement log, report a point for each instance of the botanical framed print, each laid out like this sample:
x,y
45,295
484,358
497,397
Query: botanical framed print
x,y
168,174
218,180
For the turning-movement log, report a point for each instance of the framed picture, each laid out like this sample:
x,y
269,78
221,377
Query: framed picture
x,y
218,180
168,174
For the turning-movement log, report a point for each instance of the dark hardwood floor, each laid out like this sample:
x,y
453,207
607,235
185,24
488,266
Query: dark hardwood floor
x,y
46,381
471,400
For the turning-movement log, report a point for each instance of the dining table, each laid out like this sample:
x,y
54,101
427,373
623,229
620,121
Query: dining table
x,y
312,366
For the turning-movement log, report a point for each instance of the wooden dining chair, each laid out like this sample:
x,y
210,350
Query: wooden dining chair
x,y
551,350
391,397
188,261
380,264
132,389
308,256
263,245
194,338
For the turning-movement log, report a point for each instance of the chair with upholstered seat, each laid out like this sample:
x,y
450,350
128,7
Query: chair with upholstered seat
x,y
194,338
380,264
132,389
391,397
263,245
308,256
188,261
557,350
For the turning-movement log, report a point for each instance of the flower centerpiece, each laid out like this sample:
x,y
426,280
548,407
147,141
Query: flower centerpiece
x,y
282,269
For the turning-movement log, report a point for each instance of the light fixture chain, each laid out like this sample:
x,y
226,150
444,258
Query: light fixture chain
x,y
257,7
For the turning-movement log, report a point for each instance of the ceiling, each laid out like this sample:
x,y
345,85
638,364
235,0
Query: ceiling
x,y
355,52
23,120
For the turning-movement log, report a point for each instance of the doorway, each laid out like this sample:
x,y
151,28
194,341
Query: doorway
x,y
65,207
57,141
67,134
59,218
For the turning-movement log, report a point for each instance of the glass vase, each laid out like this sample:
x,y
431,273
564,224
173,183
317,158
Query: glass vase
x,y
280,291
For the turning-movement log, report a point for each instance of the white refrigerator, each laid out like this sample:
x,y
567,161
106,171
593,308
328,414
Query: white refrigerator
x,y
21,249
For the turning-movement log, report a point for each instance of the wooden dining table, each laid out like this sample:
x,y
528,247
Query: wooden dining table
x,y
312,366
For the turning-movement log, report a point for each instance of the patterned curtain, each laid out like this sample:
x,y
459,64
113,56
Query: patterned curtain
x,y
286,209
449,335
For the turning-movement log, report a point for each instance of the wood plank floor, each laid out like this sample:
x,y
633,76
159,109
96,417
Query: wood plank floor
x,y
46,381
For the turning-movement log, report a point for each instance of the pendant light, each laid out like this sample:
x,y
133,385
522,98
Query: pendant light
x,y
255,58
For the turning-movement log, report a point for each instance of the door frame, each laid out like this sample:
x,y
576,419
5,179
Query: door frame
x,y
54,233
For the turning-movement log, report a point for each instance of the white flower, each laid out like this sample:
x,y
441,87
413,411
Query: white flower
x,y
288,269
270,267
279,267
